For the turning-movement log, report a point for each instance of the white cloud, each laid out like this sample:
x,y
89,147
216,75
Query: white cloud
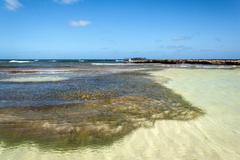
x,y
67,1
79,23
12,5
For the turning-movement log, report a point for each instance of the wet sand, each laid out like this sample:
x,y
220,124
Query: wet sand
x,y
216,135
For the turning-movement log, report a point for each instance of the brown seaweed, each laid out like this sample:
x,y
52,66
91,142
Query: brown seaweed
x,y
102,118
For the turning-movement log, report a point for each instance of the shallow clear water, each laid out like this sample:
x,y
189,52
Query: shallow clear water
x,y
215,135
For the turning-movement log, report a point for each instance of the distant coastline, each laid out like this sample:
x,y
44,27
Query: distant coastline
x,y
188,61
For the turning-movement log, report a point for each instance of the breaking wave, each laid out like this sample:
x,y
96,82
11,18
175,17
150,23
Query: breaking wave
x,y
34,79
17,61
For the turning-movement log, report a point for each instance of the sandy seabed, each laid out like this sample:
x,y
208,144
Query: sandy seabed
x,y
214,136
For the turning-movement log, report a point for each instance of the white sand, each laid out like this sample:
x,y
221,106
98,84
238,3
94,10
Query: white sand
x,y
215,136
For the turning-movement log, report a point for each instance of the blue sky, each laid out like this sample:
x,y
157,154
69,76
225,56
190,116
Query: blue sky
x,y
119,28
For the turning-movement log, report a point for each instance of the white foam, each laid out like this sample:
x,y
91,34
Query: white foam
x,y
112,64
35,79
17,61
119,60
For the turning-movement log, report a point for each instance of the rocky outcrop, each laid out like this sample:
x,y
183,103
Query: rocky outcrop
x,y
190,61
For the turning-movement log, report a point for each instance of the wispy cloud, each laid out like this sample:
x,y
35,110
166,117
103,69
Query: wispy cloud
x,y
178,47
218,39
79,23
104,48
12,5
182,38
157,41
67,1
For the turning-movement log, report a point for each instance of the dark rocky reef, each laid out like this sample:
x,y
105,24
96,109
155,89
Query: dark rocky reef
x,y
190,61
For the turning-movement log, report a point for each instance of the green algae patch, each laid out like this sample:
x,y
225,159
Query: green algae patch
x,y
104,117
